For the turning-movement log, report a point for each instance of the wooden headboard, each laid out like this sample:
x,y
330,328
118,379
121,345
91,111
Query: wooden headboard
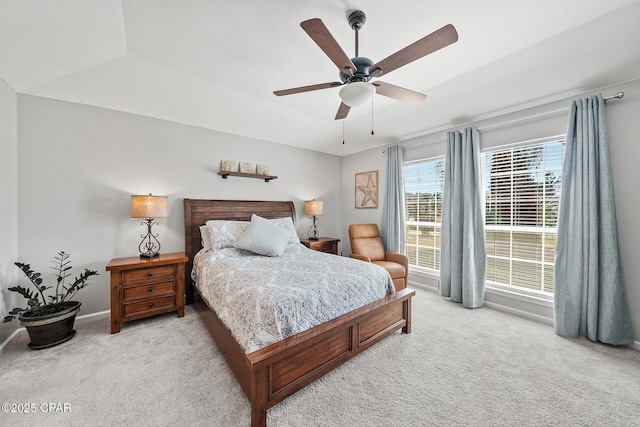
x,y
198,212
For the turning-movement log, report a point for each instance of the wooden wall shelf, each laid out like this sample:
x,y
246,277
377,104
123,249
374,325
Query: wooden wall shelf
x,y
267,178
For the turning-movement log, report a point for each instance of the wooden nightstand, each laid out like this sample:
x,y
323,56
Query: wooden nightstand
x,y
143,287
323,244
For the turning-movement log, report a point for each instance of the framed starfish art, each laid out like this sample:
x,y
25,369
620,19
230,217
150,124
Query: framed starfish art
x,y
367,190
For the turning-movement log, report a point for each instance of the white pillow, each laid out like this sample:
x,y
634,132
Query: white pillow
x,y
263,237
205,239
223,233
287,224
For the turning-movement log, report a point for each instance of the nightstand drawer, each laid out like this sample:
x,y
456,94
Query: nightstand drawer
x,y
331,248
148,305
150,290
148,274
322,244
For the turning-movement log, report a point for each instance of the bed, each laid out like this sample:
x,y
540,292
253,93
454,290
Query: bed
x,y
270,374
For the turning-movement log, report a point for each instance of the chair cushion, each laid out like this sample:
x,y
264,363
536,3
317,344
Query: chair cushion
x,y
396,271
371,248
359,231
365,240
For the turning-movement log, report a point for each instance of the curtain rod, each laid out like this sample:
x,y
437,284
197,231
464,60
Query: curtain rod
x,y
616,96
548,113
508,122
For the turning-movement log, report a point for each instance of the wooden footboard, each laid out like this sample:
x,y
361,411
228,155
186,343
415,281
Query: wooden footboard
x,y
270,374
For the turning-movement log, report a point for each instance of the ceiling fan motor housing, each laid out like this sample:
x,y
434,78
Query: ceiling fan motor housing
x,y
362,73
357,19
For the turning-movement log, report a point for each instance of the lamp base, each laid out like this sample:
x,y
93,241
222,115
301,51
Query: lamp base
x,y
150,255
313,230
149,247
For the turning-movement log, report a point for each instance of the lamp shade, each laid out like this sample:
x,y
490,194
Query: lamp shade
x,y
144,207
356,93
313,207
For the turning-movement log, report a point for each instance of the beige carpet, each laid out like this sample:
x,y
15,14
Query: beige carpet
x,y
458,367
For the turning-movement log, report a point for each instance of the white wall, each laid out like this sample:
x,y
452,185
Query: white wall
x,y
79,165
8,204
371,160
624,136
527,125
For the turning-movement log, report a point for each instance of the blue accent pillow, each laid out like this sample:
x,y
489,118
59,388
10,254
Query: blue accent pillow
x,y
263,237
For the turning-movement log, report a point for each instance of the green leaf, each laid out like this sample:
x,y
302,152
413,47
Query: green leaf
x,y
27,293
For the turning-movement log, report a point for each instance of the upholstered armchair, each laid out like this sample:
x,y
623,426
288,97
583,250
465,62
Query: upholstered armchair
x,y
366,245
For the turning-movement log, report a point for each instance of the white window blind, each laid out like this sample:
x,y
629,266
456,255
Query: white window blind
x,y
424,183
522,193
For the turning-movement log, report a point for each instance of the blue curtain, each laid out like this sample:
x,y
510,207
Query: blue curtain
x,y
393,225
589,296
463,256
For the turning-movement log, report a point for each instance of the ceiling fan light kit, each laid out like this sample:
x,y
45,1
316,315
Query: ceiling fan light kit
x,y
356,93
356,73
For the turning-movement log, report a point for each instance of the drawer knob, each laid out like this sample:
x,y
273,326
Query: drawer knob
x,y
150,304
150,289
149,274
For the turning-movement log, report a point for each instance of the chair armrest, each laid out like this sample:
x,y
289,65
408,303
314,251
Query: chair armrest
x,y
399,258
360,257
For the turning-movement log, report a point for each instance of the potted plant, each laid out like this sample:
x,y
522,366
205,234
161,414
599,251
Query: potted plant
x,y
49,318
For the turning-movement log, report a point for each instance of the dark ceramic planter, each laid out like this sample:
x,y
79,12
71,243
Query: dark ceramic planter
x,y
51,329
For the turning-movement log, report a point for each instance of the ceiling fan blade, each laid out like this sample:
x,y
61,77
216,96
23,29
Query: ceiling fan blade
x,y
399,93
306,88
323,38
343,110
426,45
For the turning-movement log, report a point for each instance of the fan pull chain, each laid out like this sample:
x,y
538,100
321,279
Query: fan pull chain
x,y
342,131
372,93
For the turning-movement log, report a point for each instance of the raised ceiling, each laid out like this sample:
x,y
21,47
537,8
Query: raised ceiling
x,y
215,64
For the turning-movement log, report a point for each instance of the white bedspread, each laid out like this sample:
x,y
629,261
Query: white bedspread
x,y
262,300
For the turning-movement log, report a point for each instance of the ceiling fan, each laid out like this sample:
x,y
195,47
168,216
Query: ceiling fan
x,y
356,73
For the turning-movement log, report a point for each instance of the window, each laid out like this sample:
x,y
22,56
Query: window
x,y
522,192
423,184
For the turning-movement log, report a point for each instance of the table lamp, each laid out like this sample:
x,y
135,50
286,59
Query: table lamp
x,y
313,208
149,208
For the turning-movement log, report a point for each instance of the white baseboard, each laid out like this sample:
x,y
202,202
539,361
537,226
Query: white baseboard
x,y
635,345
98,313
520,313
8,340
